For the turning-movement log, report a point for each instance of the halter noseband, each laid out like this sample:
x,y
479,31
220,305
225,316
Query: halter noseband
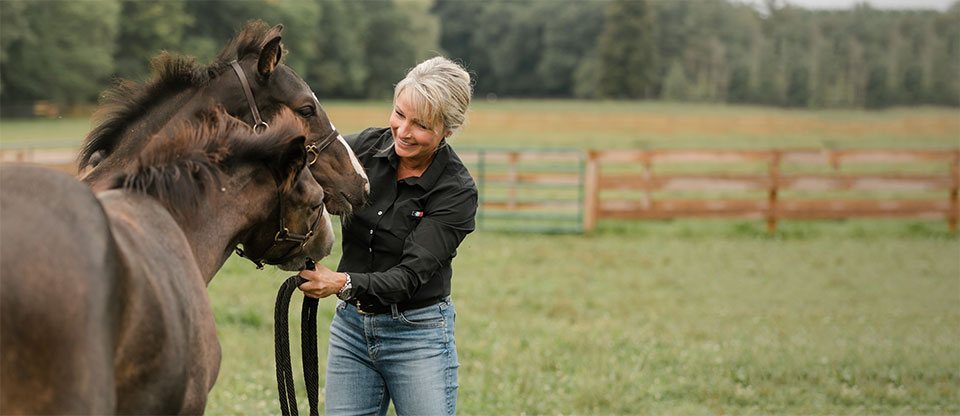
x,y
284,235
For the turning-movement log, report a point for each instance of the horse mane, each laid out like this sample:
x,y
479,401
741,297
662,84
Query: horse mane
x,y
122,105
179,168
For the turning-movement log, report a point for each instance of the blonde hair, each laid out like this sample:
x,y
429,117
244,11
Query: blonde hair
x,y
439,91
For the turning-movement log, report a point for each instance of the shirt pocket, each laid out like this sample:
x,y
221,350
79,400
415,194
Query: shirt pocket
x,y
406,217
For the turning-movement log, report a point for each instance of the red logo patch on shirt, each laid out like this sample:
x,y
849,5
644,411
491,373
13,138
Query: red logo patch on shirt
x,y
418,214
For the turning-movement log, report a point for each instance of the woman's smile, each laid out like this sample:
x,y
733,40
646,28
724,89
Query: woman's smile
x,y
413,137
405,143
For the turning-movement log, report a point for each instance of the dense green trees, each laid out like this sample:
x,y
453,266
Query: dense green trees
x,y
704,50
61,51
628,69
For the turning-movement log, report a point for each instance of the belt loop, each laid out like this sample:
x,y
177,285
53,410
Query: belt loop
x,y
393,311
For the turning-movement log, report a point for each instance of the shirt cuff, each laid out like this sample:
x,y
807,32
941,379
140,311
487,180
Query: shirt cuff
x,y
360,282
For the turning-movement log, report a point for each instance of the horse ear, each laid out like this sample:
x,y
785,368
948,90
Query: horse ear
x,y
292,160
270,52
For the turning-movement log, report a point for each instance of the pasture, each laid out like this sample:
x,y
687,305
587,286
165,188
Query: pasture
x,y
678,317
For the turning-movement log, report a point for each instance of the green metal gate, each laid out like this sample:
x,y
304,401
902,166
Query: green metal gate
x,y
528,189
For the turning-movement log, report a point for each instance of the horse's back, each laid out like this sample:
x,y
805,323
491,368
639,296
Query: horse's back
x,y
57,303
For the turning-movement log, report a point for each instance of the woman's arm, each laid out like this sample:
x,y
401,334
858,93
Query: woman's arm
x,y
434,240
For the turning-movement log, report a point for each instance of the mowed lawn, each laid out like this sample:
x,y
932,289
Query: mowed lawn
x,y
694,317
680,317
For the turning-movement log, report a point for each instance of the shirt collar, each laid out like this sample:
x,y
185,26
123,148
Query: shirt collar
x,y
436,168
430,176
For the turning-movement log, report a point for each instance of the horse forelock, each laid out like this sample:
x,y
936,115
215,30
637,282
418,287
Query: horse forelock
x,y
179,166
128,101
268,146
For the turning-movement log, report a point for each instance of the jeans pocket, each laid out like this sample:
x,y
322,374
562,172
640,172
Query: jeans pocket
x,y
426,317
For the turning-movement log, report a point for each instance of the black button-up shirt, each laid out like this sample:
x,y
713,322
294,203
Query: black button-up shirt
x,y
398,248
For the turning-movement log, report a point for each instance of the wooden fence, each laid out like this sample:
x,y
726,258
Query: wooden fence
x,y
56,154
528,189
566,190
789,184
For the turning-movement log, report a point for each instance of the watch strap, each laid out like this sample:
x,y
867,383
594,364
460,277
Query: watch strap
x,y
346,291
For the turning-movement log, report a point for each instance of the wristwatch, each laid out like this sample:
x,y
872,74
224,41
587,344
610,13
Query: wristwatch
x,y
346,292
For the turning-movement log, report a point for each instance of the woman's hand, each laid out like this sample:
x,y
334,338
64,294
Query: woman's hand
x,y
322,282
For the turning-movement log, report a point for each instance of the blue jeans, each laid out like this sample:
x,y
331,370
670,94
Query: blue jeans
x,y
409,357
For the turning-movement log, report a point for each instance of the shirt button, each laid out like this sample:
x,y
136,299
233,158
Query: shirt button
x,y
370,249
379,212
371,231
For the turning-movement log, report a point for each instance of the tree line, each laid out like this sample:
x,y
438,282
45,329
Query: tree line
x,y
703,51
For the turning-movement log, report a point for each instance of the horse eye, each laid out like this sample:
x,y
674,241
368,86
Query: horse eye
x,y
306,111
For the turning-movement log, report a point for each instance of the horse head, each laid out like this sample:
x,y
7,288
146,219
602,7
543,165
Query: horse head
x,y
298,228
247,79
226,184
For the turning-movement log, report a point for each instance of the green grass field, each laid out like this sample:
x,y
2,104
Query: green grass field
x,y
680,317
689,317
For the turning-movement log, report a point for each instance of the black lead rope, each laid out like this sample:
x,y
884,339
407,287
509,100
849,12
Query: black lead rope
x,y
308,348
288,396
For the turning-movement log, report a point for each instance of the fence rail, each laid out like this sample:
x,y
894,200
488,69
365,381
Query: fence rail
x,y
568,190
821,187
57,157
528,189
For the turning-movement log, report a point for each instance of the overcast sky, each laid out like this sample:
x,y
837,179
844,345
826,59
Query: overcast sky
x,y
880,4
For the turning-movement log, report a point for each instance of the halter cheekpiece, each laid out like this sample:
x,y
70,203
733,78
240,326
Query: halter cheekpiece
x,y
284,234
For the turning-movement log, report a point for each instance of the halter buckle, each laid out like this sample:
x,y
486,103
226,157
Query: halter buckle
x,y
306,239
312,149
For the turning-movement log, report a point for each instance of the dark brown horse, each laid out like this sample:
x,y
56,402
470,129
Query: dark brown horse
x,y
103,302
131,112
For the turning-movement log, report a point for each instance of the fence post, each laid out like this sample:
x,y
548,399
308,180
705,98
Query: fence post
x,y
773,166
954,203
647,202
514,179
591,183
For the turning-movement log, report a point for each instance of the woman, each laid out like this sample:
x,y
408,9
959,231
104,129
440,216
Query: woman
x,y
392,334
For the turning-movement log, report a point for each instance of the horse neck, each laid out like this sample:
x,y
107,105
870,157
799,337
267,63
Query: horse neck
x,y
223,218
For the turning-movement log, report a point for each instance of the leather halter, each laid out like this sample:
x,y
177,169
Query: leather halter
x,y
284,236
259,125
315,149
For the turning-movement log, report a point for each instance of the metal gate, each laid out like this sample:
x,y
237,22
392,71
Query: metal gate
x,y
528,189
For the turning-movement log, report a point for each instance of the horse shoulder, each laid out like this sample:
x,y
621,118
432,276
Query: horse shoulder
x,y
166,303
56,283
